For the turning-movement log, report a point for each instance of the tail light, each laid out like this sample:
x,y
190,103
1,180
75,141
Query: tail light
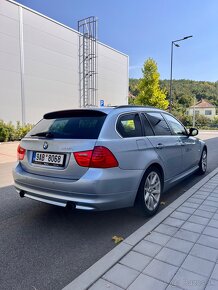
x,y
20,152
99,157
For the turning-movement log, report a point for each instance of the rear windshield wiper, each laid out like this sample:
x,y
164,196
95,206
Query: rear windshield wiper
x,y
43,134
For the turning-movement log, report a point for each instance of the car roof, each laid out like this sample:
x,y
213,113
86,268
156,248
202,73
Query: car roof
x,y
103,110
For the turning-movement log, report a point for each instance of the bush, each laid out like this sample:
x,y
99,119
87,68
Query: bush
x,y
9,132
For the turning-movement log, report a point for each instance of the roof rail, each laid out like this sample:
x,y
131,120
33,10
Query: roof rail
x,y
133,106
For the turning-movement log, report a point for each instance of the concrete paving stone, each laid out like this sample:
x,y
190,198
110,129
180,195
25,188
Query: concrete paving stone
x,y
193,227
179,245
204,252
208,208
215,216
144,282
213,223
172,287
135,260
210,203
207,189
157,238
215,272
190,204
211,231
198,265
186,209
212,284
212,198
214,194
208,241
160,270
187,235
198,220
194,200
199,196
171,256
189,280
147,248
203,213
104,285
201,192
165,229
121,275
173,222
180,215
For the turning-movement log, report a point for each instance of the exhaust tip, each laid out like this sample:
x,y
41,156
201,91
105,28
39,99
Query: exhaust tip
x,y
22,193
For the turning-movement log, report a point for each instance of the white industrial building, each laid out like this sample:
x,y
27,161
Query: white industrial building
x,y
39,66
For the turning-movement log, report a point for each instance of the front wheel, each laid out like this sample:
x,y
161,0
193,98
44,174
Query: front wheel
x,y
149,193
203,162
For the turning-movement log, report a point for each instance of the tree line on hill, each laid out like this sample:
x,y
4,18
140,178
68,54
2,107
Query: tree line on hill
x,y
150,90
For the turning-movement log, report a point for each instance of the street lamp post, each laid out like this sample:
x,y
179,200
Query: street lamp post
x,y
174,42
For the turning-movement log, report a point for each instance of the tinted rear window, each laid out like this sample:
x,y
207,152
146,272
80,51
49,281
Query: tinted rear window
x,y
77,127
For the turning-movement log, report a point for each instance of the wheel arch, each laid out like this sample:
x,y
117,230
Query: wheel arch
x,y
153,165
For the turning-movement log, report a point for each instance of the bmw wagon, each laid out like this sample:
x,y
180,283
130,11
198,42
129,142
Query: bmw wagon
x,y
107,158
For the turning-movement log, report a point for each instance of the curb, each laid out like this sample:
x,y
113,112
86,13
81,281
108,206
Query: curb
x,y
92,274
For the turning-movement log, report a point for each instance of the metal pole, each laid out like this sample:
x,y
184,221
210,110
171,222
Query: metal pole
x,y
171,75
171,66
194,114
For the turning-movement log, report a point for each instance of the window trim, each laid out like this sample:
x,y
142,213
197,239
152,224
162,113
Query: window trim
x,y
143,125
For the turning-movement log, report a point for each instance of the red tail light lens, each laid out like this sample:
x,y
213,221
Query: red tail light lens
x,y
20,152
83,158
99,157
102,157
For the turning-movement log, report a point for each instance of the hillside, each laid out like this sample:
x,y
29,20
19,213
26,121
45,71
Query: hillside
x,y
184,91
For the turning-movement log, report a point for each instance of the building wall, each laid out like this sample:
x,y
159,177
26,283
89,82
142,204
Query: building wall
x,y
50,61
201,111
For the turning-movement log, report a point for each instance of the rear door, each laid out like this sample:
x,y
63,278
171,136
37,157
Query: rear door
x,y
190,145
51,143
165,144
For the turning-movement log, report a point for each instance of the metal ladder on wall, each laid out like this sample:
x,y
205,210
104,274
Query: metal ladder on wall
x,y
88,61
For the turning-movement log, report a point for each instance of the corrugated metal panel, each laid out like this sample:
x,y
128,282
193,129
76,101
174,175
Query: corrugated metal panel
x,y
51,78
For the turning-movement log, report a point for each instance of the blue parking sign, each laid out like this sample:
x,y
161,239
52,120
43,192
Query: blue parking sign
x,y
101,103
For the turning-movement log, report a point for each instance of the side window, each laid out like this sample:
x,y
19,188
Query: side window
x,y
147,126
176,126
158,124
129,125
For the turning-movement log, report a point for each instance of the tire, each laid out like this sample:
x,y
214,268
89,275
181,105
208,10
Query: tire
x,y
149,192
203,162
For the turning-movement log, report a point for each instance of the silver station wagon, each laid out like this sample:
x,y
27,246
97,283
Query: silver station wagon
x,y
106,158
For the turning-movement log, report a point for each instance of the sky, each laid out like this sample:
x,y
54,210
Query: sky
x,y
146,28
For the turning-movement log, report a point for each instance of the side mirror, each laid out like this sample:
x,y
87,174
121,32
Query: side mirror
x,y
193,132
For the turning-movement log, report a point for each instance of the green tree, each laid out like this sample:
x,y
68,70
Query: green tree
x,y
150,93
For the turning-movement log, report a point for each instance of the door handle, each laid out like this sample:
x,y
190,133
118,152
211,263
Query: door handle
x,y
160,146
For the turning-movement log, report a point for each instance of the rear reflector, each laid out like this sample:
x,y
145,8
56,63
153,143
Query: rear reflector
x,y
99,157
20,152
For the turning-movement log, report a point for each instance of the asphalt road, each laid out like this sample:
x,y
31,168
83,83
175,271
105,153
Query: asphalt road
x,y
44,247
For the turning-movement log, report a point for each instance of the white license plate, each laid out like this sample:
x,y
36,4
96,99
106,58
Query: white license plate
x,y
52,159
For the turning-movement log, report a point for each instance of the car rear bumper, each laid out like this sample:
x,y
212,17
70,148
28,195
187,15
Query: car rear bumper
x,y
97,189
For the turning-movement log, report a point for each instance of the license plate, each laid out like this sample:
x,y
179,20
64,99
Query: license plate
x,y
51,159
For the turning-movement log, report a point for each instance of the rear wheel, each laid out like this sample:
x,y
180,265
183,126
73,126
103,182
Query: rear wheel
x,y
149,193
203,162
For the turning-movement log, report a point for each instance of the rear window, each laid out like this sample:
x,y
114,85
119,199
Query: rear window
x,y
74,127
